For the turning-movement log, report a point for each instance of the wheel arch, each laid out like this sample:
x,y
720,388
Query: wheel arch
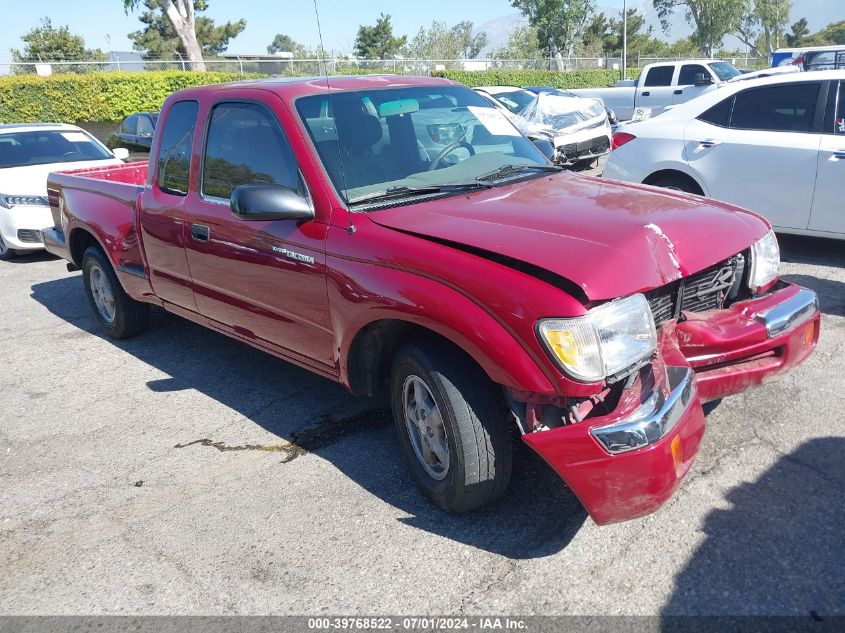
x,y
79,240
374,345
657,176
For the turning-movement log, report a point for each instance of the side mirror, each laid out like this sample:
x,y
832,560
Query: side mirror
x,y
545,146
270,202
703,80
121,153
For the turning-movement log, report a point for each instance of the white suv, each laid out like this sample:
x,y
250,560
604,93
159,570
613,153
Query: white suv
x,y
775,146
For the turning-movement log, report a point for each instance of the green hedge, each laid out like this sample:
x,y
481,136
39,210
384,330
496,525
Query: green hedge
x,y
103,96
555,79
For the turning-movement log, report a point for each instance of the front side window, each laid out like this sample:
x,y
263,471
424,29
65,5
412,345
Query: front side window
x,y
402,139
785,108
719,114
659,76
43,147
839,119
174,162
245,146
689,72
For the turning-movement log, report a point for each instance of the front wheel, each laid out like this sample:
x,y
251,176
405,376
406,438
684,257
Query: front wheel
x,y
452,425
117,313
5,251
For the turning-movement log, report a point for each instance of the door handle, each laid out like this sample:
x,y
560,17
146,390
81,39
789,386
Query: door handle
x,y
709,143
199,232
679,92
839,155
647,94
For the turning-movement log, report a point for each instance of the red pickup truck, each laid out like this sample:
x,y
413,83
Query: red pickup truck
x,y
399,235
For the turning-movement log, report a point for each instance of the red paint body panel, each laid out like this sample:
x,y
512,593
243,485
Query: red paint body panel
x,y
465,267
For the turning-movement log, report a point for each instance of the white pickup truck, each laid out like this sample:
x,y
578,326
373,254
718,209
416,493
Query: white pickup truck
x,y
662,86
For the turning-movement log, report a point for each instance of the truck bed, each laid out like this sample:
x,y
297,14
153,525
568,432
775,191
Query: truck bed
x,y
101,201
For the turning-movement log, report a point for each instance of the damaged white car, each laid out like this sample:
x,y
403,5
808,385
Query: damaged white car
x,y
578,128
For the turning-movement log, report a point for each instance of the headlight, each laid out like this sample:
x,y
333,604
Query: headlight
x,y
612,339
16,201
765,262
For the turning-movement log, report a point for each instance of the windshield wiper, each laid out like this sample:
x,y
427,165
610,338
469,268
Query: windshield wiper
x,y
509,170
405,191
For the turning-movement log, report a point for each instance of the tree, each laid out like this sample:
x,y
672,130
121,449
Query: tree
x,y
522,44
378,42
559,23
711,20
830,35
172,26
470,44
48,44
800,31
286,44
761,28
439,41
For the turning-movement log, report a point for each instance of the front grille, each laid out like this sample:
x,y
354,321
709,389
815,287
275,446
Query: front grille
x,y
30,236
711,289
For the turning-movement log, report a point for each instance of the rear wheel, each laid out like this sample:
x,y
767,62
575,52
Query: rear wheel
x,y
117,313
676,184
452,426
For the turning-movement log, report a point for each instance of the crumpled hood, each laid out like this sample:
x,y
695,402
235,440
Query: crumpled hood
x,y
609,238
31,180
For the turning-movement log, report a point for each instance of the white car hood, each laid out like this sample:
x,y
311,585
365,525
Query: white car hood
x,y
31,180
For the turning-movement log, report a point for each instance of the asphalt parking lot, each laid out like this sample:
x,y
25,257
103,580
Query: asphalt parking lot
x,y
183,473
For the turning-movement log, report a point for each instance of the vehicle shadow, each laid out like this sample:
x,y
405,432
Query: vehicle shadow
x,y
831,292
778,550
28,258
538,516
817,251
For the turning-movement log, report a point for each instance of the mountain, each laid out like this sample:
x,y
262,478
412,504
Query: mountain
x,y
819,14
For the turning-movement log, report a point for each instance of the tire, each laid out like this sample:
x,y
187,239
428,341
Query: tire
x,y
475,428
117,314
676,184
6,253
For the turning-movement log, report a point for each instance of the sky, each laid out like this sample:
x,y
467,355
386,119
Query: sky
x,y
97,19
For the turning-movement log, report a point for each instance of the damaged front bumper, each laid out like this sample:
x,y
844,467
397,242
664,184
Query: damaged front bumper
x,y
627,463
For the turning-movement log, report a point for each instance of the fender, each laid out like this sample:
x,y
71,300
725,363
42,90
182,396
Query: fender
x,y
379,293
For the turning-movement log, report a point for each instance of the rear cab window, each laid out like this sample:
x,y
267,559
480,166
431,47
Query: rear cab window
x,y
174,158
245,145
659,77
130,125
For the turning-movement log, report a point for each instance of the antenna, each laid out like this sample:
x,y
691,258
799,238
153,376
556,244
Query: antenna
x,y
351,226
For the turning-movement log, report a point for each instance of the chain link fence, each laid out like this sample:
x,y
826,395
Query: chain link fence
x,y
316,67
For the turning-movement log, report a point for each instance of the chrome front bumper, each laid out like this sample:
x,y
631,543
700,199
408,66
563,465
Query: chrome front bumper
x,y
654,419
788,315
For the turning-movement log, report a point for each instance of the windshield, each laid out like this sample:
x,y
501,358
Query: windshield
x,y
516,100
42,147
725,71
411,138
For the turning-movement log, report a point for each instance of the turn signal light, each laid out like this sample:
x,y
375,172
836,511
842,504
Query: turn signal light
x,y
620,139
